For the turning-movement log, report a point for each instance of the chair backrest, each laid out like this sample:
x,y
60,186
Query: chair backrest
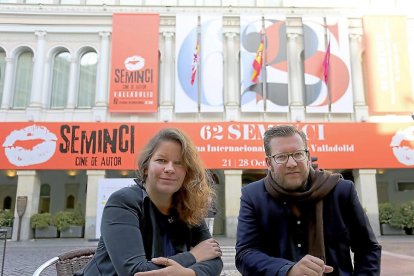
x,y
74,260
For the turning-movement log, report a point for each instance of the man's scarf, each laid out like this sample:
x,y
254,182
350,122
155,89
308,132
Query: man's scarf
x,y
321,183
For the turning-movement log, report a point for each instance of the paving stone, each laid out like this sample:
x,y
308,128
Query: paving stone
x,y
22,258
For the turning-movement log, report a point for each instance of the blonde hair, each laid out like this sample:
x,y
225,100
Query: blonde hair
x,y
191,200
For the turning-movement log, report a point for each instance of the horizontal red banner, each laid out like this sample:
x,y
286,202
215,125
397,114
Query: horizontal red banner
x,y
227,145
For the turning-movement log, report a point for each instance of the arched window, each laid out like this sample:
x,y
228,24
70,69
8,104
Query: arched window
x,y
60,80
23,81
70,202
44,201
7,203
2,71
87,80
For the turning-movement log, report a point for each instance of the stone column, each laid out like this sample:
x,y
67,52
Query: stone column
x,y
91,202
73,83
366,186
231,70
28,184
166,93
232,192
356,69
166,84
361,110
102,77
231,93
297,109
8,81
45,95
294,69
38,70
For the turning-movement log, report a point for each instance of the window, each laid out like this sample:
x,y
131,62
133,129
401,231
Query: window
x,y
405,186
7,203
87,80
70,202
44,203
2,72
23,81
60,80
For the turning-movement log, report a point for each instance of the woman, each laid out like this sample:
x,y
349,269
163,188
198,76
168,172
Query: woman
x,y
157,225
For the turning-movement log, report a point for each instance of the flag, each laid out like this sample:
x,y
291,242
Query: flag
x,y
194,67
325,62
258,61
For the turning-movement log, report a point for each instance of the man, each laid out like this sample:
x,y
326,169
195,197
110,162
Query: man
x,y
298,221
212,211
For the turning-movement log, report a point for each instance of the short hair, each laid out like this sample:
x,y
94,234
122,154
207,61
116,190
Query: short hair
x,y
191,200
281,131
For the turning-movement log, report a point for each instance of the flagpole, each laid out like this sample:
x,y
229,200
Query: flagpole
x,y
328,82
327,41
258,66
198,65
263,69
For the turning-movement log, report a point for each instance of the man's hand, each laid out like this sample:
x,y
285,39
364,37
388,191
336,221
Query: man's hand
x,y
206,250
311,266
172,268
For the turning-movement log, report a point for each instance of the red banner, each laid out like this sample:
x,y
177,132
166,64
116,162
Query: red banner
x,y
227,145
134,69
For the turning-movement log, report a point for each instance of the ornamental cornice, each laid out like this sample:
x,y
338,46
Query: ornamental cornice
x,y
108,10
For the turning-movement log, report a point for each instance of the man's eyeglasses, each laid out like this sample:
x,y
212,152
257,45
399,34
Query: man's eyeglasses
x,y
282,158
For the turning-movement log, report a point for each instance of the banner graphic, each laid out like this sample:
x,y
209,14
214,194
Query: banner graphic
x,y
186,94
251,92
340,81
316,90
277,79
212,84
336,94
221,145
387,65
134,64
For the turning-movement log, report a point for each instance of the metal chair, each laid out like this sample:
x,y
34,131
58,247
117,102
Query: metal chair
x,y
68,263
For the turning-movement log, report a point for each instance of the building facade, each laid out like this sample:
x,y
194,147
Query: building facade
x,y
55,64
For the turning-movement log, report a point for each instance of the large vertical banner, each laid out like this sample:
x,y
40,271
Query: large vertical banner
x,y
277,94
335,93
387,65
316,90
134,68
339,70
186,39
250,38
211,84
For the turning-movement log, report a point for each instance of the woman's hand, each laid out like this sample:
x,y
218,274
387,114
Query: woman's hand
x,y
172,268
206,250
